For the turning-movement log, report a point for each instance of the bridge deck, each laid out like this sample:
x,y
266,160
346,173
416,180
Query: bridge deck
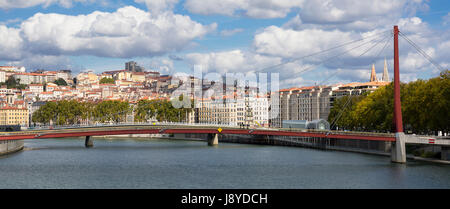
x,y
210,129
177,129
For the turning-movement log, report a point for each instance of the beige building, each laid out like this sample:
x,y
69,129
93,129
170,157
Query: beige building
x,y
233,112
36,88
13,116
138,77
87,78
124,75
2,76
34,78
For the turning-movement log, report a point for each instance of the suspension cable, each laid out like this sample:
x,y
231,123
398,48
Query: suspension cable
x,y
376,57
351,95
341,54
422,52
321,52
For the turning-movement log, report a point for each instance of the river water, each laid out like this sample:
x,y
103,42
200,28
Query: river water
x,y
161,163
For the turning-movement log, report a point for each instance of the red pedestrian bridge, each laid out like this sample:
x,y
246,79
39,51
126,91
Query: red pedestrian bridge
x,y
187,129
212,132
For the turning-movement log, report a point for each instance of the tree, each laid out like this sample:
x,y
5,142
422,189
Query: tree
x,y
161,110
11,82
61,113
116,111
341,115
61,82
45,113
145,110
425,108
107,80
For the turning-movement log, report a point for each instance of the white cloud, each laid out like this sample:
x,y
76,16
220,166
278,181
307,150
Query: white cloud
x,y
345,11
127,32
250,8
231,61
350,15
238,61
10,43
290,43
274,44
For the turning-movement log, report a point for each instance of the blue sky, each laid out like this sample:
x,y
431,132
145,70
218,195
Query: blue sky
x,y
224,36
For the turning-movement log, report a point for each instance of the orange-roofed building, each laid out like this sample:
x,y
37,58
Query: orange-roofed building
x,y
36,88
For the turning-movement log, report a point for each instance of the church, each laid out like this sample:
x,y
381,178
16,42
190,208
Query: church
x,y
385,77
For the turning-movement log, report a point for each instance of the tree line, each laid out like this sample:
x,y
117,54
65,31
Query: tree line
x,y
425,108
69,112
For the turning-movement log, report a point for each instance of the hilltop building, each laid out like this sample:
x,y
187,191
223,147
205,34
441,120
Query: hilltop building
x,y
133,67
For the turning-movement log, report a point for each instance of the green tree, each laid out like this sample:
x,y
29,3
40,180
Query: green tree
x,y
111,111
63,112
107,80
45,113
162,110
11,82
61,82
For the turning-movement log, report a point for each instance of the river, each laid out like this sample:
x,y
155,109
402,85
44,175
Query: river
x,y
171,164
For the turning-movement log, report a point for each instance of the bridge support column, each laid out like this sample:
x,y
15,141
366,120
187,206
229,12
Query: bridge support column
x,y
88,142
213,139
445,153
398,149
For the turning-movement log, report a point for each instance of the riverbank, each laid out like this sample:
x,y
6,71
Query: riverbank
x,y
10,146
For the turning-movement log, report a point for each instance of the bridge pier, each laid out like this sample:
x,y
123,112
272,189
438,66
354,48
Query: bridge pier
x,y
398,149
213,139
88,142
445,153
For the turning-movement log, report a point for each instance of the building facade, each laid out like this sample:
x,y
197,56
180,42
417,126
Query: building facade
x,y
14,116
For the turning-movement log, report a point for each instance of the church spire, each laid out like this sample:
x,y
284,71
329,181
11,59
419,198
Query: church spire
x,y
385,72
373,75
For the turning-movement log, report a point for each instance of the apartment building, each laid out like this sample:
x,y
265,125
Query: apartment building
x,y
14,116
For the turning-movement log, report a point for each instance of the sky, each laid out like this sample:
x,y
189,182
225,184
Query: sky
x,y
228,36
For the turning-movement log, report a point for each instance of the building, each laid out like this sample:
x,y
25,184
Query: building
x,y
304,124
138,77
35,77
240,111
50,87
2,76
124,75
385,76
315,102
373,75
36,88
66,75
87,78
14,116
132,66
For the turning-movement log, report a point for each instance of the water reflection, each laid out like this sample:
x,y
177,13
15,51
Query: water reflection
x,y
118,163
